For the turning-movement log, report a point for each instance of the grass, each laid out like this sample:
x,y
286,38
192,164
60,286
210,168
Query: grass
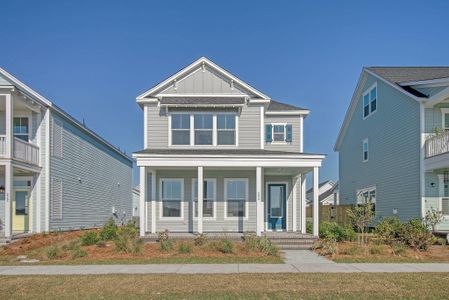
x,y
231,286
391,259
6,261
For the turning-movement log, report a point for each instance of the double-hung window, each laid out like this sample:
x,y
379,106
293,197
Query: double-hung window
x,y
370,101
203,129
367,195
236,196
21,128
180,126
171,197
208,197
365,150
278,133
226,129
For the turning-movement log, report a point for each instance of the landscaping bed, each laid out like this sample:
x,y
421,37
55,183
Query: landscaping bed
x,y
121,245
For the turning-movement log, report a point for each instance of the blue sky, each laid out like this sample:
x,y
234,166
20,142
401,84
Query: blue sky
x,y
93,58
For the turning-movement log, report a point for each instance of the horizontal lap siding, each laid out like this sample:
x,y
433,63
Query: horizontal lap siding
x,y
249,127
394,154
157,127
294,146
94,179
432,197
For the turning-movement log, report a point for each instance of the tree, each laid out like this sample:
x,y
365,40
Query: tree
x,y
362,216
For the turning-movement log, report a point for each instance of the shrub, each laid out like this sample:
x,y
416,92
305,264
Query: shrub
x,y
331,230
250,241
127,239
226,246
376,249
264,245
52,252
109,230
433,218
166,245
89,238
73,244
416,235
388,230
200,239
163,235
78,253
362,216
398,249
309,227
184,248
327,246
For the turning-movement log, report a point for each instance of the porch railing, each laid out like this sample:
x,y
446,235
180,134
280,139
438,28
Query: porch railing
x,y
2,145
26,152
437,144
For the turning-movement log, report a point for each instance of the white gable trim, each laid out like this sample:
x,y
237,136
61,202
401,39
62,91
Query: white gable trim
x,y
198,64
356,97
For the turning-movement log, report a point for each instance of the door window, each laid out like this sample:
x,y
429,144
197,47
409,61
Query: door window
x,y
21,203
277,198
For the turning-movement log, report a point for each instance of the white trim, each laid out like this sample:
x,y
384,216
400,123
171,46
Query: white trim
x,y
365,141
303,203
181,217
368,92
422,155
301,134
198,64
285,134
226,198
47,170
142,201
260,201
23,115
162,95
200,195
262,127
153,201
316,214
289,112
145,127
267,183
38,179
427,83
294,203
214,217
215,132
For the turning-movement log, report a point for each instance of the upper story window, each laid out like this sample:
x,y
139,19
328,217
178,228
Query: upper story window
x,y
203,129
21,128
370,101
226,129
278,133
365,150
180,125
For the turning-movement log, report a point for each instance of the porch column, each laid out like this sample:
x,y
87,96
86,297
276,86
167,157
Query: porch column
x,y
142,200
259,201
295,198
8,199
153,201
8,126
315,202
200,182
303,204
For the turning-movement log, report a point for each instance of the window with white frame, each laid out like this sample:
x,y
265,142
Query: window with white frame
x,y
203,129
236,196
445,119
445,206
278,133
367,195
226,129
180,127
208,198
21,128
370,101
171,197
365,148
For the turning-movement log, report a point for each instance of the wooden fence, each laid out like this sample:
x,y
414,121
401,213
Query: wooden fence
x,y
331,213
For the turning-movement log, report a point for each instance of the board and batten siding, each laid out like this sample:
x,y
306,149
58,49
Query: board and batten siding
x,y
295,145
393,134
94,179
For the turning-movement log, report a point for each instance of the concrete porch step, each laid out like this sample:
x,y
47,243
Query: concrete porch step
x,y
294,247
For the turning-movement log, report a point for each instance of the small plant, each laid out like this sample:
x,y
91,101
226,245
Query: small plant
x,y
163,235
352,250
265,246
78,253
166,245
74,244
398,249
250,241
136,246
200,240
309,227
127,239
433,218
416,235
376,249
334,230
361,217
388,230
52,252
184,248
226,246
89,238
109,230
328,246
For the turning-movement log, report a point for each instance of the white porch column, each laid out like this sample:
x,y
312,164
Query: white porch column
x,y
8,126
259,201
8,199
153,200
295,199
303,204
142,200
200,182
315,202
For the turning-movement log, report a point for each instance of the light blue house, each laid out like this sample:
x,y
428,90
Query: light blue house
x,y
55,173
394,142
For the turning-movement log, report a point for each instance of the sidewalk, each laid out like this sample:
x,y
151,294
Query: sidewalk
x,y
295,262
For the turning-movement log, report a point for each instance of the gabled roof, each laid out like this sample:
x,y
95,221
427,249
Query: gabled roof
x,y
199,63
47,103
279,106
399,75
320,185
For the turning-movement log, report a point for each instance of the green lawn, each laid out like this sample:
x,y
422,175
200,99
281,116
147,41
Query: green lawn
x,y
232,286
391,259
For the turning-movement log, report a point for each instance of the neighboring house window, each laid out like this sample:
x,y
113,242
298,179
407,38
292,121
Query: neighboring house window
x,y
180,126
445,206
278,133
445,118
370,101
236,196
203,129
171,197
56,149
365,150
226,129
367,195
21,128
208,197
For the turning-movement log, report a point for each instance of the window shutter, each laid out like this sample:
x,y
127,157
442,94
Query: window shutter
x,y
268,133
57,138
288,137
56,199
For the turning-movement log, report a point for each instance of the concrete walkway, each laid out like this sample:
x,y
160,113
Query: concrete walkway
x,y
296,261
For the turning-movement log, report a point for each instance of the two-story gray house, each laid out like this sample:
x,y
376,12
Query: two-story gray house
x,y
394,142
55,173
221,156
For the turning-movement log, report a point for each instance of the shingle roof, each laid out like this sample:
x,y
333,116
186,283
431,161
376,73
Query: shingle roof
x,y
202,100
218,152
399,75
279,106
319,185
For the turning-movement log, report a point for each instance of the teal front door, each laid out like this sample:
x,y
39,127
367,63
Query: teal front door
x,y
277,200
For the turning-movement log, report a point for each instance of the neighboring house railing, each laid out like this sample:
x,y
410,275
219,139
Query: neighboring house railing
x,y
26,152
437,144
2,145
